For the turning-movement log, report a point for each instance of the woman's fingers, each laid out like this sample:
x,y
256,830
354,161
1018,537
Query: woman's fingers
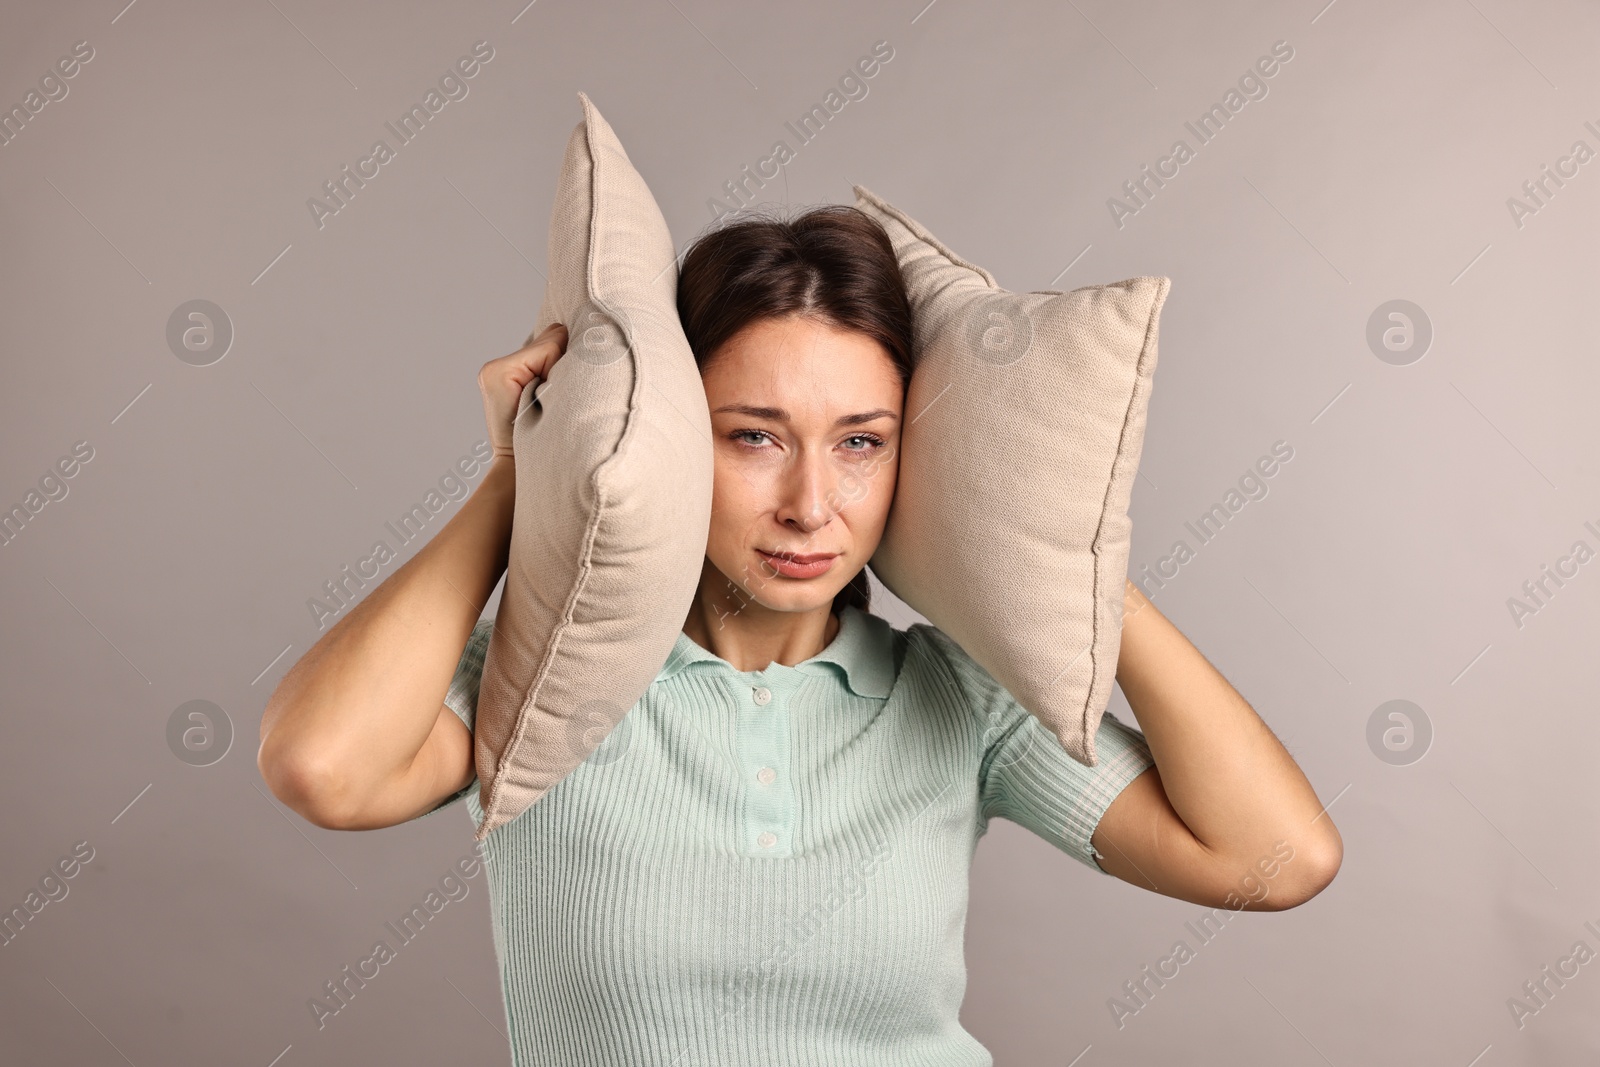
x,y
542,351
502,381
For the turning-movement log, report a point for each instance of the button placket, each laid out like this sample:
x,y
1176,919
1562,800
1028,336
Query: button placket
x,y
764,759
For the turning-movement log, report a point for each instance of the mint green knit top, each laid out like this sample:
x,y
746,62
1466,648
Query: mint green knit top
x,y
771,867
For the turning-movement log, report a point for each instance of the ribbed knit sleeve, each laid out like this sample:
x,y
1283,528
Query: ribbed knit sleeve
x,y
462,696
1026,776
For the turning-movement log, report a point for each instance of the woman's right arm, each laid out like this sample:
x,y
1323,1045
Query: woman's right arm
x,y
357,735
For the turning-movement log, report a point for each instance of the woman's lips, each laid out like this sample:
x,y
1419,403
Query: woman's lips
x,y
799,565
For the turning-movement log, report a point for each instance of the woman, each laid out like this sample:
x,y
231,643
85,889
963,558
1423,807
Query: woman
x,y
766,860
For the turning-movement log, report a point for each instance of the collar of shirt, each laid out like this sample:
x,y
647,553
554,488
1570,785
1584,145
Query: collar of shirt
x,y
862,650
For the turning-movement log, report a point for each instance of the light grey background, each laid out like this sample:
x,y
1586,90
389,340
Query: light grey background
x,y
1379,566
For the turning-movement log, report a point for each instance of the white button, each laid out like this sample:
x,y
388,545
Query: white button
x,y
765,775
767,839
762,694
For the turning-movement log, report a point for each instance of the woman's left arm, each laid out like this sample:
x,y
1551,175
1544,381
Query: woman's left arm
x,y
1226,817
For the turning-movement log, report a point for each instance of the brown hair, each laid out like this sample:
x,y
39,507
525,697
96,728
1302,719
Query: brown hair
x,y
832,263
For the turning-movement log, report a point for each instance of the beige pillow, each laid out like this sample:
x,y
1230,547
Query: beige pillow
x,y
1024,422
613,499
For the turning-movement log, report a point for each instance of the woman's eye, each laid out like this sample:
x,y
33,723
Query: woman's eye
x,y
743,437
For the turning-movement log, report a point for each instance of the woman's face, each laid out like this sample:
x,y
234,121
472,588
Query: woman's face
x,y
805,425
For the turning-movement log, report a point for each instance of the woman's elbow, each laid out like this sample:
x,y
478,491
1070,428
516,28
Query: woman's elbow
x,y
310,787
1318,864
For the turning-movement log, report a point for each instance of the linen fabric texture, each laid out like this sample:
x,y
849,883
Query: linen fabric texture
x,y
1023,428
613,488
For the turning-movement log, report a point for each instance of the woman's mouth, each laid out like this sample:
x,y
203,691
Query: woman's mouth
x,y
799,564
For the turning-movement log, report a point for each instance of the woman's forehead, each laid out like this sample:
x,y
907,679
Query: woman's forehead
x,y
802,368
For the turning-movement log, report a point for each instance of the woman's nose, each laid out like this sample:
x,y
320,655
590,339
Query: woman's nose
x,y
809,494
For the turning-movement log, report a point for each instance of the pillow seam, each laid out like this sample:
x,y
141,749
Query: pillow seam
x,y
1140,376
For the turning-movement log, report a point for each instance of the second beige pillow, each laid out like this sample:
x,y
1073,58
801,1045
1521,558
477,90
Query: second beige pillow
x,y
1023,428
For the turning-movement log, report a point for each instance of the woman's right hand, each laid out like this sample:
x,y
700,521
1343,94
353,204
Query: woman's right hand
x,y
502,380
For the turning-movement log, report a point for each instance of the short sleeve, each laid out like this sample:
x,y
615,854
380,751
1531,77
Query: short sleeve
x,y
1026,777
462,696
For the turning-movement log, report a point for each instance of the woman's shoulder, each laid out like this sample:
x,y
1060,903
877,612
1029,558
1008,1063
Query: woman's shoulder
x,y
935,654
931,643
925,652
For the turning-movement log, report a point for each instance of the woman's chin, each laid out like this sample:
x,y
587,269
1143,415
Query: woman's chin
x,y
798,597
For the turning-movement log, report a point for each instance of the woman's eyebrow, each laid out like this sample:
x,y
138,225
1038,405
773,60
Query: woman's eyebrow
x,y
780,415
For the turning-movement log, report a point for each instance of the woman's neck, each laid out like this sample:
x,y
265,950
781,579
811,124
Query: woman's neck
x,y
752,636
